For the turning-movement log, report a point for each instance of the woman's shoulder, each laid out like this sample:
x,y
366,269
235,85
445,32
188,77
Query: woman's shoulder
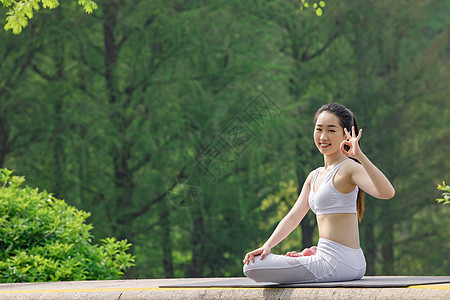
x,y
350,166
311,175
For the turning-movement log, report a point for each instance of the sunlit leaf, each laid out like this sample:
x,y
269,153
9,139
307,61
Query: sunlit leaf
x,y
319,11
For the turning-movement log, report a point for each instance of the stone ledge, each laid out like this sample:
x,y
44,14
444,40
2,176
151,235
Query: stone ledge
x,y
149,289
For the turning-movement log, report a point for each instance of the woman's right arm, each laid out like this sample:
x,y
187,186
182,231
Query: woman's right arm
x,y
286,225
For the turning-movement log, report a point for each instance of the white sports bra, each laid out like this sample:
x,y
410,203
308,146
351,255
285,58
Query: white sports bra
x,y
327,199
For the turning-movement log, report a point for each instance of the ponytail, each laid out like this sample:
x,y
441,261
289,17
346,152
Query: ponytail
x,y
360,200
360,204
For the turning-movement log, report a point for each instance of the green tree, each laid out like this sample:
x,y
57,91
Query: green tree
x,y
390,94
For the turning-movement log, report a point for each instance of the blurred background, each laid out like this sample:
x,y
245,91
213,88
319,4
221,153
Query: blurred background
x,y
186,128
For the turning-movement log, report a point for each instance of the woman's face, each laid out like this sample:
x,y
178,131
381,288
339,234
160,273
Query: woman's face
x,y
328,133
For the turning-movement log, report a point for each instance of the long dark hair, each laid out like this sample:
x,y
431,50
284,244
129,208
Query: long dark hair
x,y
346,119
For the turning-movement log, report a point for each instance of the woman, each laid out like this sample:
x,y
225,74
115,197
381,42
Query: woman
x,y
335,194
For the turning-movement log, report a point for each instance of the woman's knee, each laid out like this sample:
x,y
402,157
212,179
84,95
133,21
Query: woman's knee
x,y
268,261
258,263
278,273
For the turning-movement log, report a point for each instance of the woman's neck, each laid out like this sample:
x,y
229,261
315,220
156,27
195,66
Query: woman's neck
x,y
333,159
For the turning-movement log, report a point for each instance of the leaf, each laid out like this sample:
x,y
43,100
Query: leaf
x,y
319,11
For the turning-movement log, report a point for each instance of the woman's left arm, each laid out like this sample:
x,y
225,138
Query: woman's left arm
x,y
366,175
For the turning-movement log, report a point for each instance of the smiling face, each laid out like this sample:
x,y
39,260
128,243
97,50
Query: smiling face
x,y
328,133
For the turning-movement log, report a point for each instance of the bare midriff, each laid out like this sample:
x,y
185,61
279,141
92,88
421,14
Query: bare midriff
x,y
339,228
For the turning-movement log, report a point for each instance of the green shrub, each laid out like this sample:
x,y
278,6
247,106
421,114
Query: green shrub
x,y
44,239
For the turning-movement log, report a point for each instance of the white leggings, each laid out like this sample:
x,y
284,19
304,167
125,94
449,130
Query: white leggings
x,y
332,262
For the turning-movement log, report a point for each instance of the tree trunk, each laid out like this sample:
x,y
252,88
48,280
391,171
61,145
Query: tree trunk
x,y
388,249
120,152
368,236
198,252
166,240
4,145
307,232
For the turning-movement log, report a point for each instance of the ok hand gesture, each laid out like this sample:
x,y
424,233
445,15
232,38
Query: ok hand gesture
x,y
351,141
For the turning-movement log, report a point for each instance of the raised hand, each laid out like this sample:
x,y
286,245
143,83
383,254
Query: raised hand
x,y
351,141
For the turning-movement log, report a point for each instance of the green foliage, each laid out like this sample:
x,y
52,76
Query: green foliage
x,y
44,239
273,208
317,6
21,11
446,193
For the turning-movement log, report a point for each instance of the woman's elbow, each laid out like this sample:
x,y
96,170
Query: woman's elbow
x,y
389,194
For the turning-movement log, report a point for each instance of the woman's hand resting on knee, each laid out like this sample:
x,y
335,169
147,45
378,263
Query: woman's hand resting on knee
x,y
305,252
263,251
